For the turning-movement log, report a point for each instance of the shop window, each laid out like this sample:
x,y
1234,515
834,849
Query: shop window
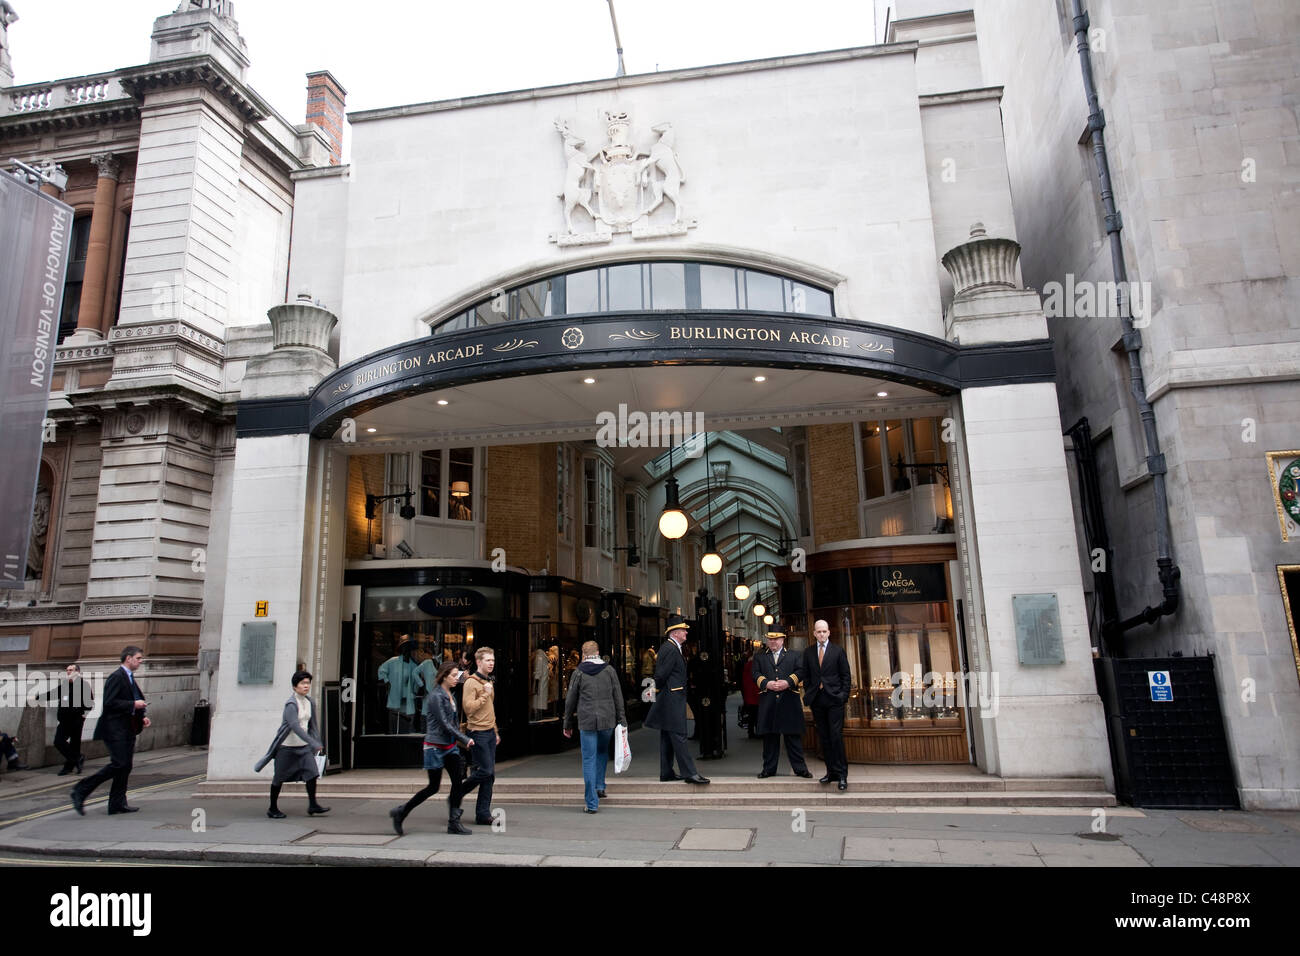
x,y
902,492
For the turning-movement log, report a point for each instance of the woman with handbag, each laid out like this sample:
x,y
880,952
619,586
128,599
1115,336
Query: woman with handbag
x,y
295,747
440,750
595,705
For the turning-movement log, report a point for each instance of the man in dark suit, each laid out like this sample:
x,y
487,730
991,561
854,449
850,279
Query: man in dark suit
x,y
779,674
75,699
668,712
828,682
123,706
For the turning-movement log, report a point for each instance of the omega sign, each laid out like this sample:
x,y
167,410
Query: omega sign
x,y
452,602
899,583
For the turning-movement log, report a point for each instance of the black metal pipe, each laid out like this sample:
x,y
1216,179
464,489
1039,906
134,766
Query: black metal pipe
x,y
1168,572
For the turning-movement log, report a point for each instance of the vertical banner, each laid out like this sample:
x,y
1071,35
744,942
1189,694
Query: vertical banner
x,y
34,233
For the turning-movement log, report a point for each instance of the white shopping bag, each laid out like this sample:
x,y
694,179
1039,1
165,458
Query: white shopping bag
x,y
320,764
622,750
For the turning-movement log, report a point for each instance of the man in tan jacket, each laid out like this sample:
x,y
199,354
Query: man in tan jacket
x,y
477,698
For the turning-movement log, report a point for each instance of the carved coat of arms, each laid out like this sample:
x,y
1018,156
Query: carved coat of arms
x,y
625,184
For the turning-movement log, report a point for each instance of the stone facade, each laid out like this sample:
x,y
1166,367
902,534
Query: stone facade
x,y
1200,105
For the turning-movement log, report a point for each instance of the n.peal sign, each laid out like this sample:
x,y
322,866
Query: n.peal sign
x,y
452,602
34,232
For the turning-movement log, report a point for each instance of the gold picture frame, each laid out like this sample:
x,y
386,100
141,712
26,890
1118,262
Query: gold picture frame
x,y
1276,459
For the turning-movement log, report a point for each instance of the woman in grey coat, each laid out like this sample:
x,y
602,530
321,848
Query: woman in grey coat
x,y
597,698
440,750
295,747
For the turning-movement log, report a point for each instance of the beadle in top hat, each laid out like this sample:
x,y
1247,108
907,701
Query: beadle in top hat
x,y
668,712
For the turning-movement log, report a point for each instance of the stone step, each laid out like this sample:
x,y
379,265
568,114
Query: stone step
x,y
705,798
349,786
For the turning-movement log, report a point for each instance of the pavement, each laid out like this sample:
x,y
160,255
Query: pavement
x,y
177,824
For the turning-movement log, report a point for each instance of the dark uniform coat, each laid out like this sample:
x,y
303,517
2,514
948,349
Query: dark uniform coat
x,y
668,712
779,712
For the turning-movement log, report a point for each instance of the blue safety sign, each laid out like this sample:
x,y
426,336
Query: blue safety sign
x,y
1162,688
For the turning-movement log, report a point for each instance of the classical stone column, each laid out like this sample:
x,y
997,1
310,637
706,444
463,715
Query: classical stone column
x,y
273,545
89,316
1044,717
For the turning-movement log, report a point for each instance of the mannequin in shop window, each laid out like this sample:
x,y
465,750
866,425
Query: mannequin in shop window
x,y
401,675
540,681
552,677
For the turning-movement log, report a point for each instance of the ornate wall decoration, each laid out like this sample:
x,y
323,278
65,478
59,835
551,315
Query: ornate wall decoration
x,y
1284,478
619,186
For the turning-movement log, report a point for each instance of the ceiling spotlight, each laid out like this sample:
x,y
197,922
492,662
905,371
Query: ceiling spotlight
x,y
760,378
589,381
372,430
443,401
882,394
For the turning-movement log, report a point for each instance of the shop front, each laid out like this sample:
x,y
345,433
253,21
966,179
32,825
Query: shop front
x,y
892,610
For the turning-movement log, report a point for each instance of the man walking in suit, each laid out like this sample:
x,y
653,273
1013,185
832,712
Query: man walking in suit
x,y
827,668
123,706
75,699
668,712
779,674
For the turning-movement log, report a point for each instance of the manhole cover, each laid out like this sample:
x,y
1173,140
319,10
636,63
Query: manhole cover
x,y
705,838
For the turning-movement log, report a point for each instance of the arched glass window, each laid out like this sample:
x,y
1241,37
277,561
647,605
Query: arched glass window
x,y
636,286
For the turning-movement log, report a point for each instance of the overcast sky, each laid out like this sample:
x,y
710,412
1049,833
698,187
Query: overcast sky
x,y
387,53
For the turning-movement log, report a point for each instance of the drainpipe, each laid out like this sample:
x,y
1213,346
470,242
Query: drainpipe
x,y
1168,571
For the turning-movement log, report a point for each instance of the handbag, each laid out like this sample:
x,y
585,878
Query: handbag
x,y
622,749
320,765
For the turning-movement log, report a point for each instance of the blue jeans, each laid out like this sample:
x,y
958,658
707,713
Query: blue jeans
x,y
595,756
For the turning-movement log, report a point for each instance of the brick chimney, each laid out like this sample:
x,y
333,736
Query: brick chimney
x,y
325,109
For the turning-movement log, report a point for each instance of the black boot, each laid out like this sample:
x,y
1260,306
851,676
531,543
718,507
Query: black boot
x,y
398,814
453,823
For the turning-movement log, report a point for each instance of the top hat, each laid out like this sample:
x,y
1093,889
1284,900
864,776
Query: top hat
x,y
676,623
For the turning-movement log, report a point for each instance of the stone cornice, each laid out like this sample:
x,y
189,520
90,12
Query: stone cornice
x,y
195,71
640,79
69,117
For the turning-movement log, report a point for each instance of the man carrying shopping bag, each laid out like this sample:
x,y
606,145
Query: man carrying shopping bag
x,y
597,699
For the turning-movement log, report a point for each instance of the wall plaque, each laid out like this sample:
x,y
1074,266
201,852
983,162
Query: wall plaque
x,y
1038,629
257,652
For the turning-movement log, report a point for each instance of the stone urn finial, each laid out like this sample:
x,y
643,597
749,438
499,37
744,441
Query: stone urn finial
x,y
981,263
301,324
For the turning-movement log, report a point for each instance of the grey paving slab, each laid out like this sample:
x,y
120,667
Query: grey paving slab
x,y
988,853
891,849
348,839
1060,853
713,862
1211,848
714,838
